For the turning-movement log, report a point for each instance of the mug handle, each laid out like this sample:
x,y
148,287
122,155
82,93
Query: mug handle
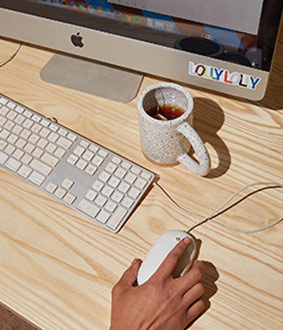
x,y
203,167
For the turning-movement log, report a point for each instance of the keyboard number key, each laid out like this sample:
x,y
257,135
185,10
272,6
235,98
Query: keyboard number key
x,y
134,192
117,217
103,216
140,183
127,202
117,196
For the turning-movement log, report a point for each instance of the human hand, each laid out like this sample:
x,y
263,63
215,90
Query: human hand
x,y
161,303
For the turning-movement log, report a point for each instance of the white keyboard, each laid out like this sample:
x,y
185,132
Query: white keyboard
x,y
85,176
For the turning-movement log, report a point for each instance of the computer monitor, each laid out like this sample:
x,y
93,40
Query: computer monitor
x,y
221,45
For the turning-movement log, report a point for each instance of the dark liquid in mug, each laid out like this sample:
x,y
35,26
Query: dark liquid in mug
x,y
165,112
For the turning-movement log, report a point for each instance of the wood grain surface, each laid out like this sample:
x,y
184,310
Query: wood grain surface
x,y
57,268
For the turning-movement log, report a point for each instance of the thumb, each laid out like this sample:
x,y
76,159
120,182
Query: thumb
x,y
130,275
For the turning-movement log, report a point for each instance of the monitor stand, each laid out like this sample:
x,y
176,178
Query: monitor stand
x,y
92,77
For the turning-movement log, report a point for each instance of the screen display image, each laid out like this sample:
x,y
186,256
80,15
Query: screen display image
x,y
220,45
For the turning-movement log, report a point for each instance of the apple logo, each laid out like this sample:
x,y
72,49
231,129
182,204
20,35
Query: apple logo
x,y
77,40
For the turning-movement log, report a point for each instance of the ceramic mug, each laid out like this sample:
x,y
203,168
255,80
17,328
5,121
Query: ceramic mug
x,y
169,141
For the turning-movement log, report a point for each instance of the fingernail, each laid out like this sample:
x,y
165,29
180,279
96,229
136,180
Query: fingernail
x,y
187,240
134,261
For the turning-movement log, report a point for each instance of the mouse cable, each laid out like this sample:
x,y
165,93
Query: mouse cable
x,y
214,214
9,58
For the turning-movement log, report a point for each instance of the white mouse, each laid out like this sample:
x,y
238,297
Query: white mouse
x,y
160,249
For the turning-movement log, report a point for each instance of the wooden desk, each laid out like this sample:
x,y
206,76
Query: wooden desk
x,y
57,268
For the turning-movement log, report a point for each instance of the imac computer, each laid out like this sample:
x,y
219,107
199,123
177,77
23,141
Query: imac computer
x,y
220,45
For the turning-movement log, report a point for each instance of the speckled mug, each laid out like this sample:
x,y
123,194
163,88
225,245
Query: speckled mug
x,y
168,142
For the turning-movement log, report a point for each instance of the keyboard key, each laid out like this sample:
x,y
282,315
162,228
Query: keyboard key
x,y
10,149
40,167
130,177
49,159
81,164
123,187
97,160
44,122
140,183
18,154
21,143
53,127
104,176
60,192
3,144
103,153
107,191
26,159
110,206
90,169
84,144
113,181
36,128
120,172
44,132
100,200
3,157
79,151
51,147
88,155
72,137
134,192
127,202
88,208
90,195
117,196
72,159
69,198
3,100
4,111
11,105
116,217
24,171
67,183
52,137
97,185
51,187
103,216
36,178
111,167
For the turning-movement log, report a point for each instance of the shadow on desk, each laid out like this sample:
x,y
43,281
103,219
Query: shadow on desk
x,y
208,119
210,277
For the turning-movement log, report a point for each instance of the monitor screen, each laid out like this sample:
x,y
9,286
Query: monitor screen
x,y
221,45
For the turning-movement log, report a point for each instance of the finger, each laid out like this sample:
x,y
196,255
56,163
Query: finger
x,y
192,277
130,275
195,310
194,294
168,265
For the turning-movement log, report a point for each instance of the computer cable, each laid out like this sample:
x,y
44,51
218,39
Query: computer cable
x,y
10,57
215,213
